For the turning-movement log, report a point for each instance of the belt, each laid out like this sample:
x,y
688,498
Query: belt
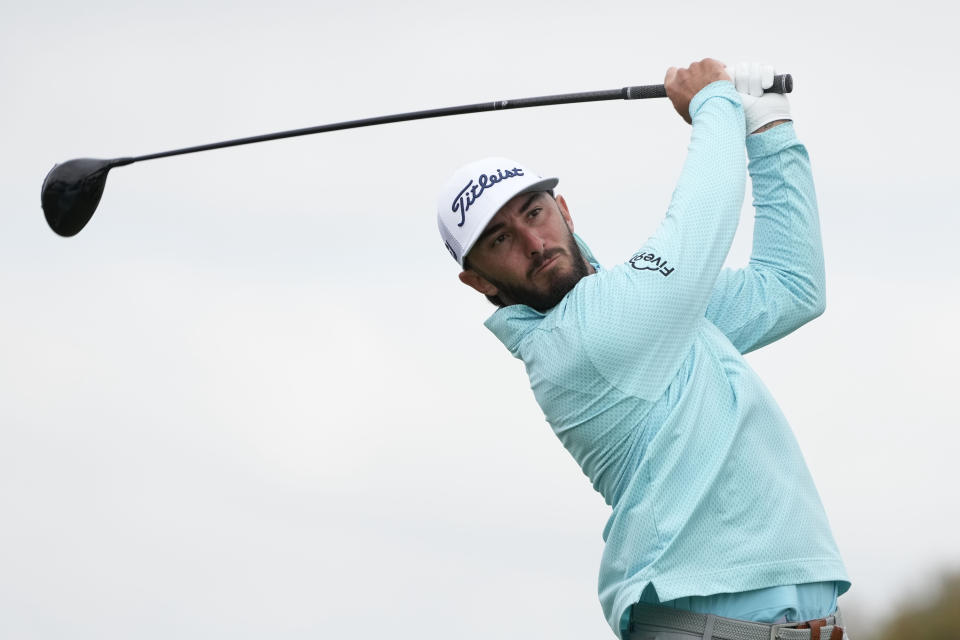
x,y
714,627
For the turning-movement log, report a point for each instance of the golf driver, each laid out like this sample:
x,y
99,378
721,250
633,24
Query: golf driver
x,y
72,190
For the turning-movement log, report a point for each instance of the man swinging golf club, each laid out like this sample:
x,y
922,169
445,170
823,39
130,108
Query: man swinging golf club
x,y
716,528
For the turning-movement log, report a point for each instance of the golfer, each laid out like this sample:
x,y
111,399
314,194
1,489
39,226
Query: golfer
x,y
716,527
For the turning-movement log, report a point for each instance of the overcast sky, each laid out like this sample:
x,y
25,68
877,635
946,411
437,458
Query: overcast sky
x,y
252,400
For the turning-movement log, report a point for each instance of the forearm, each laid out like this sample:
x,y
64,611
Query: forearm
x,y
705,208
786,236
658,298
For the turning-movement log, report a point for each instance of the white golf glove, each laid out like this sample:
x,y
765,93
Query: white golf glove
x,y
750,79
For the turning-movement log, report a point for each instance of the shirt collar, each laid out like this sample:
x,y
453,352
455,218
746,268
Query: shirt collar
x,y
511,324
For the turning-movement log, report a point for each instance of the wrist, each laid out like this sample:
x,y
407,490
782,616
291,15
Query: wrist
x,y
718,88
771,142
770,125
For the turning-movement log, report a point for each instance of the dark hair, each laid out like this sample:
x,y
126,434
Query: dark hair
x,y
494,300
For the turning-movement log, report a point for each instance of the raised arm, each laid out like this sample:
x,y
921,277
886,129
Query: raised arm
x,y
639,318
783,286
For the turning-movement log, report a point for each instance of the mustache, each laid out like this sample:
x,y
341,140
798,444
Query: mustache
x,y
546,255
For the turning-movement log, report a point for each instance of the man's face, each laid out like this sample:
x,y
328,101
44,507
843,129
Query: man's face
x,y
527,253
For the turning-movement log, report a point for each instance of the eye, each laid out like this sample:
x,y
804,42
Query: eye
x,y
499,239
533,213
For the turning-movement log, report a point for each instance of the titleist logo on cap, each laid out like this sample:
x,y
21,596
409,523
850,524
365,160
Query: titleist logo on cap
x,y
469,194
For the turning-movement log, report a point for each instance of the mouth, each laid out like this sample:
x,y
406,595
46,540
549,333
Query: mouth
x,y
543,265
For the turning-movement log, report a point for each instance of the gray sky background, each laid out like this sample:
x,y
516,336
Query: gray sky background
x,y
250,399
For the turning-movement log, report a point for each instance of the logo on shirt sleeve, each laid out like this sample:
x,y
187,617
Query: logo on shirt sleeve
x,y
648,261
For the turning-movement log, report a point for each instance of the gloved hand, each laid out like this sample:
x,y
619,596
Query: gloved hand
x,y
750,79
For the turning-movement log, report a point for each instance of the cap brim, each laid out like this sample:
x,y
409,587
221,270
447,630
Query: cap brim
x,y
544,185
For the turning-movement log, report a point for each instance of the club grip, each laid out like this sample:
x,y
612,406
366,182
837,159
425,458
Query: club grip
x,y
781,84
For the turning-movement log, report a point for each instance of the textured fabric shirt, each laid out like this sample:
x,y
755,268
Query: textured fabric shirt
x,y
639,371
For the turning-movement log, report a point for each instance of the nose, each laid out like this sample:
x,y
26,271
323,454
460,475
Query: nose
x,y
533,243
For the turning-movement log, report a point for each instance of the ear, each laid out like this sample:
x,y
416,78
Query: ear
x,y
476,281
564,211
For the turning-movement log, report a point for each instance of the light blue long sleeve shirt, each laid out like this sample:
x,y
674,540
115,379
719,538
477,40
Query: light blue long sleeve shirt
x,y
639,372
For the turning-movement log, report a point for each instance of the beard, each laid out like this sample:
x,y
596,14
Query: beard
x,y
560,286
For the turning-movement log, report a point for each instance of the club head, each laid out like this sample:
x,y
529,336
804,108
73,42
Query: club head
x,y
71,192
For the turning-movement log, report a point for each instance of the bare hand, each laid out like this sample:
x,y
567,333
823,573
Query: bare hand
x,y
683,84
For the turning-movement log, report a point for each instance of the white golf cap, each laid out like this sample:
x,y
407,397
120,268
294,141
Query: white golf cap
x,y
474,194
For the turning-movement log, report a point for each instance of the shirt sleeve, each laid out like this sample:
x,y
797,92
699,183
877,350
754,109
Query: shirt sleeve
x,y
639,318
783,285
